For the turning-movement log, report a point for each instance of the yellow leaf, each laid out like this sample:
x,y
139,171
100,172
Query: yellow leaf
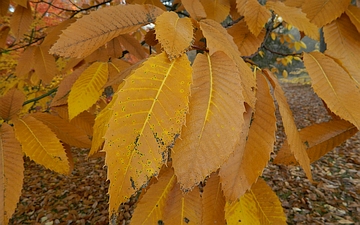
x,y
150,208
353,13
297,45
322,12
214,120
87,88
21,20
122,19
333,84
273,36
295,17
343,43
194,8
246,42
11,103
320,139
261,53
216,10
100,127
213,202
26,62
148,115
45,66
284,73
64,130
41,144
297,147
217,39
63,91
259,206
239,173
175,34
133,46
11,172
181,209
302,44
256,16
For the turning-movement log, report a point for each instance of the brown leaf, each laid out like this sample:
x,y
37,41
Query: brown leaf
x,y
322,12
11,103
121,19
4,31
26,62
246,42
319,139
238,174
213,202
11,172
214,120
45,66
216,10
255,16
297,147
133,46
194,8
21,20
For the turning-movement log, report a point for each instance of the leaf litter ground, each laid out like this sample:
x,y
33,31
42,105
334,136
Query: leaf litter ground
x,y
81,198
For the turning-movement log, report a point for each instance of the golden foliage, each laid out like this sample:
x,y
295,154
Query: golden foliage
x,y
151,207
11,172
21,20
239,173
219,40
214,120
297,147
151,116
322,12
26,62
87,88
295,17
213,202
259,205
175,105
44,64
320,139
333,84
255,16
175,34
64,130
121,19
41,144
216,10
194,8
11,103
343,43
353,13
246,42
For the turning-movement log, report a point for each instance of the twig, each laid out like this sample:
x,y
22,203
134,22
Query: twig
x,y
280,53
40,97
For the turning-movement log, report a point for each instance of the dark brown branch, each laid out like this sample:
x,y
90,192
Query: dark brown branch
x,y
280,53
